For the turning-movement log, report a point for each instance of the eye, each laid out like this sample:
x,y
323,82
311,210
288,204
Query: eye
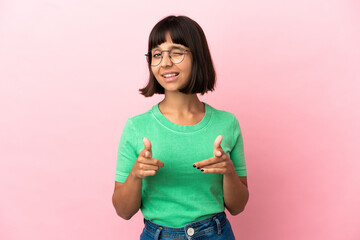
x,y
156,55
177,52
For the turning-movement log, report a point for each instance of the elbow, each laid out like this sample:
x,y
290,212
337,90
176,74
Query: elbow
x,y
236,211
240,208
121,211
124,215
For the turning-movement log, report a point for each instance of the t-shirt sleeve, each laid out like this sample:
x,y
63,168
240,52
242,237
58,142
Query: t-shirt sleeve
x,y
126,155
237,152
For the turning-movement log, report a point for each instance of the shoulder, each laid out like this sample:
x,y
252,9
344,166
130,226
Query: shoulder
x,y
141,119
222,114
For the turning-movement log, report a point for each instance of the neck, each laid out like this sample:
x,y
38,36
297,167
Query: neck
x,y
180,103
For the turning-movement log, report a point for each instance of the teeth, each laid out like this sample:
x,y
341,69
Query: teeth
x,y
170,75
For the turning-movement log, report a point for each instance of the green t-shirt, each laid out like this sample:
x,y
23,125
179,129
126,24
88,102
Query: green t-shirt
x,y
179,194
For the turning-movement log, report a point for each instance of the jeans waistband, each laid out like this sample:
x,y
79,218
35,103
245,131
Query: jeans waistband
x,y
215,222
220,216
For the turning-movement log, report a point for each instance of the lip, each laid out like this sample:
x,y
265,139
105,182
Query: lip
x,y
164,73
170,79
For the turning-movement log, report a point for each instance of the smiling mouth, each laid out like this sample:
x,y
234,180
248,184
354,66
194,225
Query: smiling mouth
x,y
170,75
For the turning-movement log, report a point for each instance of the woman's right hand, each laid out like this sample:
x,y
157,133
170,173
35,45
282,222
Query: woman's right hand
x,y
145,165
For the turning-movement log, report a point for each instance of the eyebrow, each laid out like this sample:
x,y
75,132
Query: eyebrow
x,y
172,46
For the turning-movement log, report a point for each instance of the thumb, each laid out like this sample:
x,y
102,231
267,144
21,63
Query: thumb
x,y
217,145
147,144
147,147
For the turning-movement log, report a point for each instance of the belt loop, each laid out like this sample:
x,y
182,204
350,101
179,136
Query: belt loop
x,y
218,225
157,234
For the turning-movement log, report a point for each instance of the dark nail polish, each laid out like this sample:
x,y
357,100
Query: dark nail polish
x,y
202,170
198,168
194,165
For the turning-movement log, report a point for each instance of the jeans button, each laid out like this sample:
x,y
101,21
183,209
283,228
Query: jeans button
x,y
190,231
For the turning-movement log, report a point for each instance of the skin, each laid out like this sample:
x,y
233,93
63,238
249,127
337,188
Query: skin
x,y
127,196
182,109
235,189
166,65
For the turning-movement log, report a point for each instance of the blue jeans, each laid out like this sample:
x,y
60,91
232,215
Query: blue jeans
x,y
215,227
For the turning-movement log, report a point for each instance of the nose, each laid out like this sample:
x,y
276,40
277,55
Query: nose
x,y
166,61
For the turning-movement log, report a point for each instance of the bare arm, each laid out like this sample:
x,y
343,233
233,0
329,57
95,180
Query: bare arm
x,y
236,193
127,196
235,189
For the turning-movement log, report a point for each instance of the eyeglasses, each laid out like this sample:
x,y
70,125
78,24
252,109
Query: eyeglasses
x,y
176,55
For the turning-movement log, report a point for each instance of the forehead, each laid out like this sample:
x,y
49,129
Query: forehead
x,y
168,43
166,46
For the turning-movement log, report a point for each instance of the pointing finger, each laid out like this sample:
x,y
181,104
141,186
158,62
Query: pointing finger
x,y
151,161
160,163
206,162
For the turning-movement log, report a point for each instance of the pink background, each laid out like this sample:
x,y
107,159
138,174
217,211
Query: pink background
x,y
69,78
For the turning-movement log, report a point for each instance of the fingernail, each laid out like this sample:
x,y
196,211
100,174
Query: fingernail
x,y
194,165
202,170
198,167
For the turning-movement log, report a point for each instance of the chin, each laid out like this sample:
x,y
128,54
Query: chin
x,y
172,90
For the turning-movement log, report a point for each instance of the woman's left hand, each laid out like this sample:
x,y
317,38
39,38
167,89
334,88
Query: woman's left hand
x,y
220,163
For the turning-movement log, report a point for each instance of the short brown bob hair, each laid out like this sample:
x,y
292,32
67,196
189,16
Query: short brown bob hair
x,y
187,32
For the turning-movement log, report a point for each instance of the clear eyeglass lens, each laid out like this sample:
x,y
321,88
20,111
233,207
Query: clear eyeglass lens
x,y
176,56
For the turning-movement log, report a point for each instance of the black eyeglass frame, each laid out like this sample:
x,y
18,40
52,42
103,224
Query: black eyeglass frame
x,y
148,55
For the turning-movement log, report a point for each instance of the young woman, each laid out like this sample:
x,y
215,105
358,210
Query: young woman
x,y
182,162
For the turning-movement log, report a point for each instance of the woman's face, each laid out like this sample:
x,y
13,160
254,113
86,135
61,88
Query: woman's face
x,y
166,66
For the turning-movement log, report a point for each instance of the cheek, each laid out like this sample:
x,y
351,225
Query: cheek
x,y
153,71
187,69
